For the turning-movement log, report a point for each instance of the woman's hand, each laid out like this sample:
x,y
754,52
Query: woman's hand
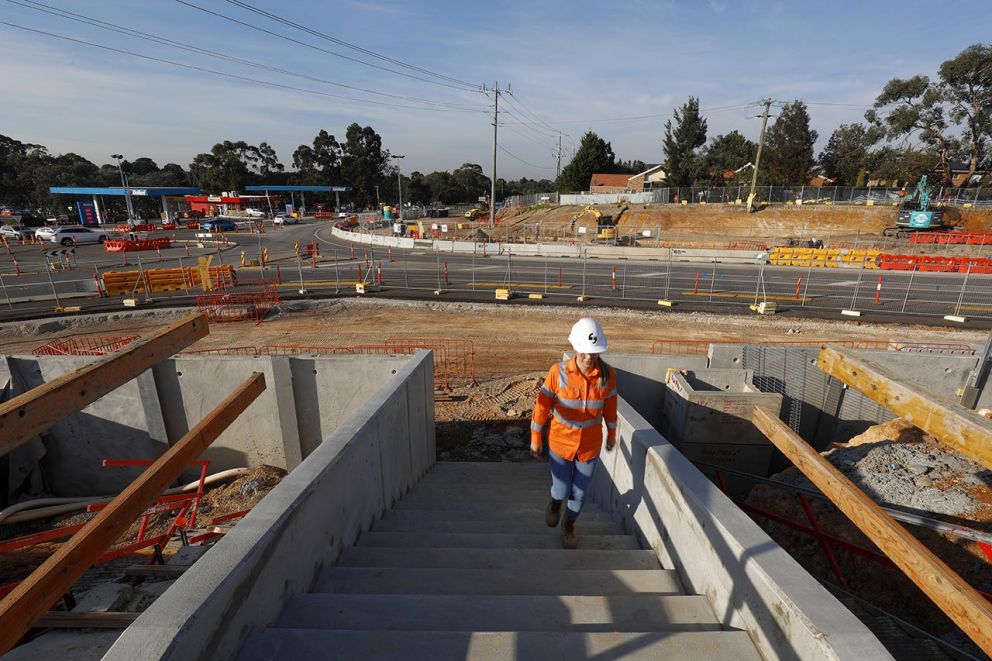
x,y
535,451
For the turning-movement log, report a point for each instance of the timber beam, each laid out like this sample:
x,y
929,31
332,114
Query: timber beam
x,y
962,603
946,420
27,602
34,412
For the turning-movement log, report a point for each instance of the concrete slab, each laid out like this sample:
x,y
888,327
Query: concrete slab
x,y
295,644
86,645
377,580
404,612
548,540
496,558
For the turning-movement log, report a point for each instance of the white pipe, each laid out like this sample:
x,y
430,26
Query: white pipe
x,y
65,505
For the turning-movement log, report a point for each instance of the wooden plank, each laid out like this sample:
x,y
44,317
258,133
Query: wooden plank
x,y
168,571
946,420
46,584
96,620
968,609
31,413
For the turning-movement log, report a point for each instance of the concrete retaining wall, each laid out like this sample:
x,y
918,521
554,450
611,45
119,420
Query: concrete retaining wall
x,y
278,550
751,583
307,398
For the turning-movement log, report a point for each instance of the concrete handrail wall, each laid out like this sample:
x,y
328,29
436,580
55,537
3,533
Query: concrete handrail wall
x,y
698,255
300,527
751,583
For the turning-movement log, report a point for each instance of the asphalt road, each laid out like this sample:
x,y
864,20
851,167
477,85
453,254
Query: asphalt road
x,y
903,297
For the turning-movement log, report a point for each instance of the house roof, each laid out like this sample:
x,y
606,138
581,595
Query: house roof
x,y
615,180
651,170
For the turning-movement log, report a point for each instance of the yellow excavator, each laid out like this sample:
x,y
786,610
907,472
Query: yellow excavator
x,y
606,226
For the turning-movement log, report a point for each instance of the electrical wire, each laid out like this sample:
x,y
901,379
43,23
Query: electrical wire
x,y
104,25
297,42
224,74
514,156
360,49
526,110
634,118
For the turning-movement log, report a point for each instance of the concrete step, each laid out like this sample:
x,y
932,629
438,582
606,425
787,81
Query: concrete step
x,y
296,644
542,488
494,504
591,514
517,559
419,612
495,498
512,526
519,581
482,467
551,539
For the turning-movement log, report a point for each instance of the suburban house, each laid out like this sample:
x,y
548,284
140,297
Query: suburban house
x,y
609,183
653,177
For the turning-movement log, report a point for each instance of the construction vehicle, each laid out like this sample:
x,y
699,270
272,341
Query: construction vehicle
x,y
915,214
606,225
480,211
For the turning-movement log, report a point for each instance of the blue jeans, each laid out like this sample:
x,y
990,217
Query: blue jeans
x,y
569,481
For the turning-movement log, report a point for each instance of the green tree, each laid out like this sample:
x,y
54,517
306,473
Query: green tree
x,y
848,152
268,163
789,146
682,165
319,164
443,187
419,190
227,167
364,163
472,182
967,87
594,155
915,106
731,151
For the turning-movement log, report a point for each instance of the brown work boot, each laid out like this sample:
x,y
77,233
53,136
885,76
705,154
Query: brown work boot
x,y
553,512
571,539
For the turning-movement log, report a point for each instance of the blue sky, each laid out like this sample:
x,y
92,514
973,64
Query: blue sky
x,y
573,66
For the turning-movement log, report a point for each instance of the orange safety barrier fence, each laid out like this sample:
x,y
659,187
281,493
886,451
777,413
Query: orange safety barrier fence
x,y
701,347
116,283
245,304
87,345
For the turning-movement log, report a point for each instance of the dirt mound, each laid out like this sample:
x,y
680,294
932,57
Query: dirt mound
x,y
718,220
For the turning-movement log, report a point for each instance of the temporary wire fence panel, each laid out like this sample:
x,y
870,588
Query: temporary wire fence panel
x,y
242,304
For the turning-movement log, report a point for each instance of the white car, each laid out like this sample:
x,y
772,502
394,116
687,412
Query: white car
x,y
254,213
72,235
285,220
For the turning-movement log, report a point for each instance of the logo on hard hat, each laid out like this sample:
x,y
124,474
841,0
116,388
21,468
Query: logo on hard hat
x,y
593,338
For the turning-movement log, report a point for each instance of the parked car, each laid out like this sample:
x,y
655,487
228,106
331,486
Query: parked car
x,y
68,236
282,219
255,213
191,213
219,225
17,232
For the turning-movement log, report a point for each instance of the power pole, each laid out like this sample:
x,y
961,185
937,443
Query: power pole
x,y
492,193
558,171
757,158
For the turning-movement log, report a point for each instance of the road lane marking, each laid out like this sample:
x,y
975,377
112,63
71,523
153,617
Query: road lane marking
x,y
750,296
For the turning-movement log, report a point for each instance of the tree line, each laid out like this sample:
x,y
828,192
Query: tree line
x,y
915,126
359,161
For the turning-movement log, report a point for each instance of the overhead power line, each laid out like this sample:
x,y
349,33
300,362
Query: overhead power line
x,y
346,44
514,156
113,27
297,42
233,76
636,118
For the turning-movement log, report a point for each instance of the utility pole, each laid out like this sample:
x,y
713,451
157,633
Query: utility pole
x,y
757,158
492,193
558,170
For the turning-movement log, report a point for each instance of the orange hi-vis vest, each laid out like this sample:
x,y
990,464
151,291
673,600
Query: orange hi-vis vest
x,y
577,405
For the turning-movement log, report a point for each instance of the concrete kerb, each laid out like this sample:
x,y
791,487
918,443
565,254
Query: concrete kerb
x,y
281,546
751,583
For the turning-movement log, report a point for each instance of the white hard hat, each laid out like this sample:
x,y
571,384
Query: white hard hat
x,y
587,336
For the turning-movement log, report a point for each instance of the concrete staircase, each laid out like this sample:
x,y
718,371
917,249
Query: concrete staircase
x,y
463,567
